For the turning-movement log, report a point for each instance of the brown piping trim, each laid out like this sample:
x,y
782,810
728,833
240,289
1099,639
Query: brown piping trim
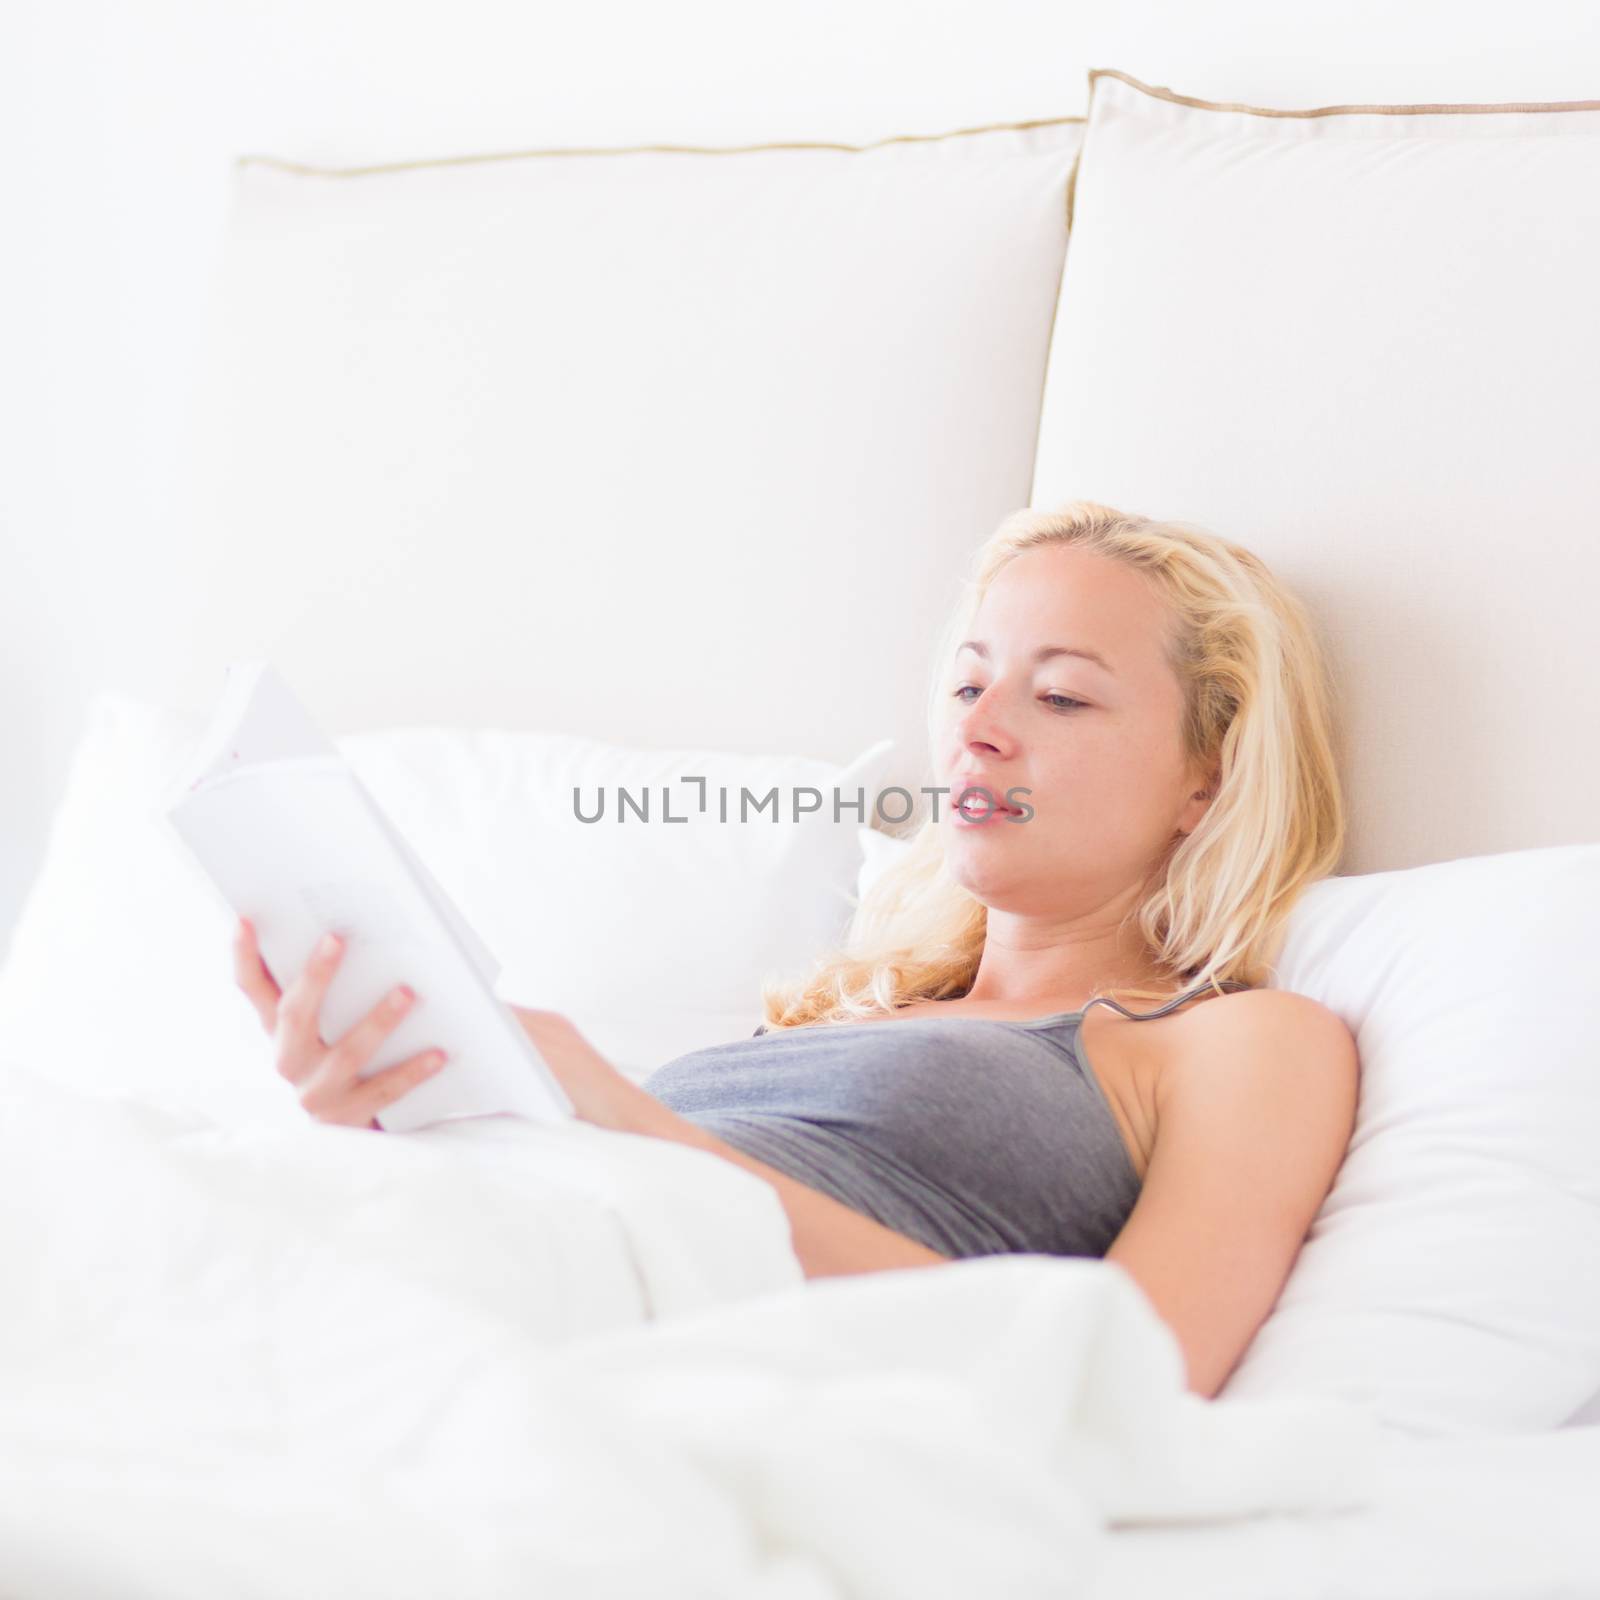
x,y
1337,111
638,149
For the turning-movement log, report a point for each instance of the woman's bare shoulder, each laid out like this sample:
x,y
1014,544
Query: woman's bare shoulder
x,y
1262,1007
1253,1019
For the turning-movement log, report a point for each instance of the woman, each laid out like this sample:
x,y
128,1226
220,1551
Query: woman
x,y
1140,718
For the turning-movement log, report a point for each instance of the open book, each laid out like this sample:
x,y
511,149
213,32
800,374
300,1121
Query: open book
x,y
293,840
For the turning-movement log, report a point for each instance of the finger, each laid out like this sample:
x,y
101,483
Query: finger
x,y
384,1088
358,1106
362,1042
253,977
300,1045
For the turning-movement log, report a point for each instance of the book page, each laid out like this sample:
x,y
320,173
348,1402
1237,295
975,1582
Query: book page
x,y
258,719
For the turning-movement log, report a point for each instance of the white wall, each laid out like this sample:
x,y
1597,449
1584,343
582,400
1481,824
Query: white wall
x,y
120,122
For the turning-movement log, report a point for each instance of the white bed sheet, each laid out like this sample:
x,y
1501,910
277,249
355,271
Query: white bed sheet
x,y
421,1365
1514,1517
496,1359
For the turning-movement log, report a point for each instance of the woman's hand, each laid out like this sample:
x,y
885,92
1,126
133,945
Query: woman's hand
x,y
326,1076
598,1091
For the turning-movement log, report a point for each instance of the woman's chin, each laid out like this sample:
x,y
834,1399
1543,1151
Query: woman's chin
x,y
980,870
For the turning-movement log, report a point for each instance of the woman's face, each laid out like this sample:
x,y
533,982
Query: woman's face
x,y
1099,748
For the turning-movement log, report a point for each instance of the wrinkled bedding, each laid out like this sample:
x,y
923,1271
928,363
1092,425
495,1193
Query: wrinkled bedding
x,y
498,1359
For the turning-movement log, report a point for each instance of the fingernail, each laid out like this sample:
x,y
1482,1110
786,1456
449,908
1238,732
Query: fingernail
x,y
329,945
435,1059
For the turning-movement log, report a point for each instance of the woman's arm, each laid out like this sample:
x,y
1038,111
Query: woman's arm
x,y
829,1238
1253,1119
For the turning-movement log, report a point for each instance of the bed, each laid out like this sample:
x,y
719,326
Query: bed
x,y
1510,1515
492,1358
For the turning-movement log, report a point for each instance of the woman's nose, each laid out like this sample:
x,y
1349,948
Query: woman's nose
x,y
985,725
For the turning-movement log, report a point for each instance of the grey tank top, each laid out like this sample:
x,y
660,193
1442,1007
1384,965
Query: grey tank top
x,y
971,1136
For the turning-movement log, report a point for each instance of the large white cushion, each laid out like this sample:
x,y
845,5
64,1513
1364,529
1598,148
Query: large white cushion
x,y
653,936
1364,344
693,447
1451,1280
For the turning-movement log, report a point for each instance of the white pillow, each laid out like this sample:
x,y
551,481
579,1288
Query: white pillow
x,y
1451,1280
1364,344
652,937
646,435
879,852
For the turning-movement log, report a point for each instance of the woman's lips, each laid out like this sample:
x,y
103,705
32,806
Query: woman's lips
x,y
984,811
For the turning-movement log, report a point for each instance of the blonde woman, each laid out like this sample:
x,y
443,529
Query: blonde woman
x,y
1139,717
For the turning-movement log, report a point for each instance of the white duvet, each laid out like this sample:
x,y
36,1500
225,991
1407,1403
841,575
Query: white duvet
x,y
495,1359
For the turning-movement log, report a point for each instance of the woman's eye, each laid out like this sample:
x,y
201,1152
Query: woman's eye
x,y
1057,702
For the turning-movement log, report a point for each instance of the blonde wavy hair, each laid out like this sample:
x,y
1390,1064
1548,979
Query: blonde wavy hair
x,y
1258,699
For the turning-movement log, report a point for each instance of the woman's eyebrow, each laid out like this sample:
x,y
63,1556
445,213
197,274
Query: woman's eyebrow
x,y
978,647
